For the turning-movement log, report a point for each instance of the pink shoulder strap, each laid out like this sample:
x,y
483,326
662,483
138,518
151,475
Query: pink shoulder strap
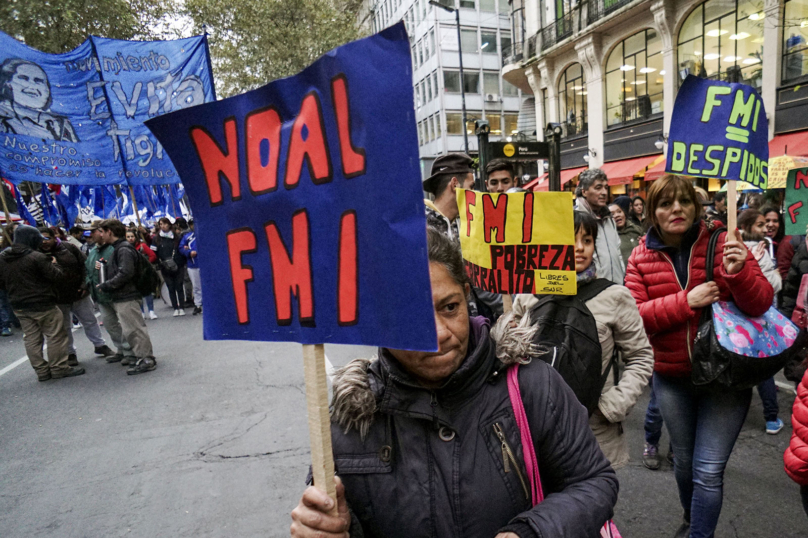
x,y
531,461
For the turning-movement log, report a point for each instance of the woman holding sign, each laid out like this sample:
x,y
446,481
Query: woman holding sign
x,y
426,444
666,276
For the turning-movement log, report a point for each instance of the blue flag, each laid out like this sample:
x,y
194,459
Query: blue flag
x,y
83,124
22,209
68,211
307,194
719,130
49,212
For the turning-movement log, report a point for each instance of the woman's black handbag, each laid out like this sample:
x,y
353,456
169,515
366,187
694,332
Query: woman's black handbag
x,y
737,360
169,264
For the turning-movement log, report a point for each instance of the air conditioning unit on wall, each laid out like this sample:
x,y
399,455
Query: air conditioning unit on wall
x,y
491,98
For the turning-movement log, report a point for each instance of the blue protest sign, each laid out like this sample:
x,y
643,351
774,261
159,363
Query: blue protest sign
x,y
308,204
77,118
719,130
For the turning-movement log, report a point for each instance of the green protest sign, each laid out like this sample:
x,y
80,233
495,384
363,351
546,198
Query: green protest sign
x,y
796,201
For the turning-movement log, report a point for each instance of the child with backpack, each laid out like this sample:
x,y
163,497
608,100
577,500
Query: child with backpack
x,y
581,336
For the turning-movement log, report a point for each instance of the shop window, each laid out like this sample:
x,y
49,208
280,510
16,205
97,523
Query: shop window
x,y
795,40
634,78
511,121
723,40
572,101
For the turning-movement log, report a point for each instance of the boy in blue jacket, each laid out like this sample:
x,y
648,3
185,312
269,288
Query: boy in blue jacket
x,y
188,249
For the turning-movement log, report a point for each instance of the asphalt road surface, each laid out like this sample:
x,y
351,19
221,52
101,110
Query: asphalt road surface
x,y
214,443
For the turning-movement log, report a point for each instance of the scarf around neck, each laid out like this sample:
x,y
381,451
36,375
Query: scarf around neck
x,y
168,235
587,275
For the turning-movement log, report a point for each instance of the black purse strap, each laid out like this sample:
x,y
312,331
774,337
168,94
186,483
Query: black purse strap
x,y
710,261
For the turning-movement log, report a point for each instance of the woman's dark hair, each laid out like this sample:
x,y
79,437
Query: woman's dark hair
x,y
7,71
781,231
747,219
138,237
164,219
588,222
446,252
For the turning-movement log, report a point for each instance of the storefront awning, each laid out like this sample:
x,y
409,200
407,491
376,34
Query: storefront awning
x,y
795,144
539,184
623,172
567,175
656,172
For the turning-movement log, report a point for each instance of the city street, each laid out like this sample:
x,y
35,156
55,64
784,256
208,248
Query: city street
x,y
215,443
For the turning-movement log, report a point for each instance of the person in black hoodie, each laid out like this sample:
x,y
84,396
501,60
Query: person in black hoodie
x,y
29,277
121,285
172,264
72,296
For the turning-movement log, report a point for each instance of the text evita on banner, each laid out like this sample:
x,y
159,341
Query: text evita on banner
x,y
77,118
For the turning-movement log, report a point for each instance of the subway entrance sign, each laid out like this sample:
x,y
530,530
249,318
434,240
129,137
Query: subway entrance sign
x,y
520,151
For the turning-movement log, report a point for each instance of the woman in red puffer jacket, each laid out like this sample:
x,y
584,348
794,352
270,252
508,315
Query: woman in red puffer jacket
x,y
666,276
796,456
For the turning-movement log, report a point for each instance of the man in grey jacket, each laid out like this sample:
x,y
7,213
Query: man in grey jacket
x,y
593,200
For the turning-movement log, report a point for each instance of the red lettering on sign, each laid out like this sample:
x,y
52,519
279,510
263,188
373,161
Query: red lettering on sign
x,y
308,143
792,211
218,163
292,275
494,216
348,271
471,201
353,158
800,178
239,242
527,221
263,125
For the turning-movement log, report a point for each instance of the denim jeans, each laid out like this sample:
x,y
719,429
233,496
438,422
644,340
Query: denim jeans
x,y
148,303
768,394
7,317
653,419
804,495
703,424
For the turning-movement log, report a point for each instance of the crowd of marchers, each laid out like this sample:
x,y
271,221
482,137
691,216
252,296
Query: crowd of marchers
x,y
479,440
53,282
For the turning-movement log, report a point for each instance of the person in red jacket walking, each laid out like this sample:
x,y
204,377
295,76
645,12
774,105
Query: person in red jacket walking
x,y
134,237
666,275
796,456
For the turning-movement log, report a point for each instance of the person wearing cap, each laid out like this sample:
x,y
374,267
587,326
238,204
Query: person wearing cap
x,y
449,173
29,277
499,176
124,352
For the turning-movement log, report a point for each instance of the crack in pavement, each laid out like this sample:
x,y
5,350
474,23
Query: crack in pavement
x,y
211,458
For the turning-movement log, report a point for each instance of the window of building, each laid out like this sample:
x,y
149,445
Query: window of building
x,y
470,118
468,41
506,43
423,92
471,82
511,124
420,48
432,46
495,122
723,40
504,7
491,83
544,105
414,57
420,133
572,100
428,81
488,5
467,4
435,82
417,91
424,5
433,133
509,89
634,78
795,36
451,81
454,123
488,42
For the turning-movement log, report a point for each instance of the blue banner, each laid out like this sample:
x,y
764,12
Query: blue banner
x,y
77,118
308,203
719,130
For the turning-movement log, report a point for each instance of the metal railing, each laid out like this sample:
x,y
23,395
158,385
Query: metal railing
x,y
556,31
512,54
597,9
575,127
532,44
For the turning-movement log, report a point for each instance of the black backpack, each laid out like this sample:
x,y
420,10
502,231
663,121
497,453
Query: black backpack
x,y
568,340
146,278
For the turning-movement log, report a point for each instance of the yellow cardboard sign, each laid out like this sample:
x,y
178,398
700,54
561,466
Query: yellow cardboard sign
x,y
523,242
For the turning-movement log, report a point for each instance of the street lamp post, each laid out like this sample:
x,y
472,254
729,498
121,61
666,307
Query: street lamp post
x,y
462,82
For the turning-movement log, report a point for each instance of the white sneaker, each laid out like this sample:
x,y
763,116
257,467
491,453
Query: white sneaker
x,y
152,315
182,312
176,313
143,314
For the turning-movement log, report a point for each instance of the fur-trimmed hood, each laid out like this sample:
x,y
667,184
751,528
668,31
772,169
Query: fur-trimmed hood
x,y
359,386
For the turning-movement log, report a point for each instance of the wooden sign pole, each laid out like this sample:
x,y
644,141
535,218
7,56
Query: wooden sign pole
x,y
134,205
732,210
8,218
507,303
322,455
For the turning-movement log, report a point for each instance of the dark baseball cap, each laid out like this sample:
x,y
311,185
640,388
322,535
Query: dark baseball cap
x,y
458,164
